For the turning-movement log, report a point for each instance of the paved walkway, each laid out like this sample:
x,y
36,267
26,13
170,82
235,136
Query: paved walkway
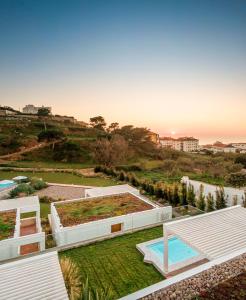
x,y
28,227
58,192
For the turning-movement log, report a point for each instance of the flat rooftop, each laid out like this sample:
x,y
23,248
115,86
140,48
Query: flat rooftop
x,y
92,209
7,224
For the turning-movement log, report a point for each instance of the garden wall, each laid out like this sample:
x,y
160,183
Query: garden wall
x,y
230,193
101,228
10,248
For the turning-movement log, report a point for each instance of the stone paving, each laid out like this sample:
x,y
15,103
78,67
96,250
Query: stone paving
x,y
58,192
194,286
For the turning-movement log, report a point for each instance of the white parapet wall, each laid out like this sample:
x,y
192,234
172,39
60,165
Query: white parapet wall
x,y
10,247
102,228
230,193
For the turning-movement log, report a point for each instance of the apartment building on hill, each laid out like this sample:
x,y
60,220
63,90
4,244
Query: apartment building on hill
x,y
186,144
31,109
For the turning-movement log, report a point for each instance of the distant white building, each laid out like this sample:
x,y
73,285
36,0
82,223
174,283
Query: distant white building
x,y
240,146
226,148
31,109
186,144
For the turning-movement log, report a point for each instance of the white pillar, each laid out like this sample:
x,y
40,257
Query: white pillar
x,y
165,249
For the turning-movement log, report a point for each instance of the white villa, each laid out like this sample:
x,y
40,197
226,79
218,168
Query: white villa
x,y
145,213
27,236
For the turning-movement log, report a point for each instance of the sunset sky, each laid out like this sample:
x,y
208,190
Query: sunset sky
x,y
173,66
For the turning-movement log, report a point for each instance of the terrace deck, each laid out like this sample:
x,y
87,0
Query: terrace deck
x,y
78,212
7,224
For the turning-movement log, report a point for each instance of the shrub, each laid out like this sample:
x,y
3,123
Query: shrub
x,y
236,179
129,168
210,203
121,176
38,184
98,169
22,189
46,199
71,278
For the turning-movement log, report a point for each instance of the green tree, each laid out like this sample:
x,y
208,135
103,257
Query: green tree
x,y
183,198
237,179
210,203
113,127
220,202
98,123
67,152
110,152
43,111
201,204
191,196
176,198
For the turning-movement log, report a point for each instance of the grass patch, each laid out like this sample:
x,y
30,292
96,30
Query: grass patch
x,y
47,164
56,177
7,224
116,263
156,176
78,212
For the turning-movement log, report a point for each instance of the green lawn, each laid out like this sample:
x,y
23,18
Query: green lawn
x,y
156,176
56,177
47,164
116,263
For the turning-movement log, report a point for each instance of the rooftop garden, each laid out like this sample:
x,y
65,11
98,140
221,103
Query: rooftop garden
x,y
7,224
77,212
116,263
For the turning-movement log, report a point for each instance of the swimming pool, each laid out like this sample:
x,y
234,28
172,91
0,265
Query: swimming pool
x,y
178,251
4,184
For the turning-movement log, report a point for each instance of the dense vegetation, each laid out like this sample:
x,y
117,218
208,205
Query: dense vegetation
x,y
176,193
77,146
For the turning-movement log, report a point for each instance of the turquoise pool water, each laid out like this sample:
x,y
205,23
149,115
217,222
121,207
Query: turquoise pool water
x,y
4,184
178,250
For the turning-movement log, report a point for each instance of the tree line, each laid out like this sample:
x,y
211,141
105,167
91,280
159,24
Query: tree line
x,y
175,194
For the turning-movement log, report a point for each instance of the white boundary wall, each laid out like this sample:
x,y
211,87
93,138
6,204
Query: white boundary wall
x,y
101,228
10,248
230,192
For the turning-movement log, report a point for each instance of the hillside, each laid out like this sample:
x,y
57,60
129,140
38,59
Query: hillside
x,y
46,142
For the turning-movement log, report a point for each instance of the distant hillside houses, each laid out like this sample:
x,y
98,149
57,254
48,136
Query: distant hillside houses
x,y
31,109
226,148
186,144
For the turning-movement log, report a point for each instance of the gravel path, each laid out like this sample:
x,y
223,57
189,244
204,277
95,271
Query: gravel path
x,y
62,192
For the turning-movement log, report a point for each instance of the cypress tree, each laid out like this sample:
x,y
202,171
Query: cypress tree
x,y
176,199
183,198
220,199
210,203
191,197
201,204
